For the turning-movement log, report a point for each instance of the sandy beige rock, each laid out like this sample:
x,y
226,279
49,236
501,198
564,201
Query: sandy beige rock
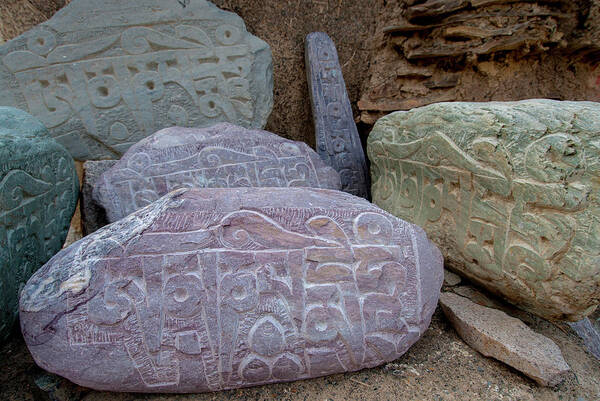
x,y
497,335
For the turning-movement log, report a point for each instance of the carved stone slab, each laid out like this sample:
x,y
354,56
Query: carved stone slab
x,y
338,142
215,289
223,156
101,75
93,216
38,194
509,191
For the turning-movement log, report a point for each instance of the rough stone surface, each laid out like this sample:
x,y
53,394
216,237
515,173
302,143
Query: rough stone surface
x,y
102,78
447,50
223,156
93,215
284,26
338,142
509,191
497,335
38,194
222,288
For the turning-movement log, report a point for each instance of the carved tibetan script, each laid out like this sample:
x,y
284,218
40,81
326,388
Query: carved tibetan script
x,y
101,75
338,142
223,288
508,190
222,156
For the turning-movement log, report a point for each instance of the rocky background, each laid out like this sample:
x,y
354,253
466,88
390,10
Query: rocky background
x,y
400,54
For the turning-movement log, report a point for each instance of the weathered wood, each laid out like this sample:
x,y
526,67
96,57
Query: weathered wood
x,y
338,142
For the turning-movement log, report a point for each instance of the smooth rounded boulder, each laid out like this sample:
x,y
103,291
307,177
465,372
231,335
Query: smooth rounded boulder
x,y
222,156
38,194
216,289
509,191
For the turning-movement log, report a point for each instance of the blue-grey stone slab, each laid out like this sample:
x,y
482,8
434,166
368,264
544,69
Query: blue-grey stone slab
x,y
101,75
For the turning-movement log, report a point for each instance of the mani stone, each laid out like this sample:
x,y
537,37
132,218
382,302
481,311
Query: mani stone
x,y
223,156
214,289
497,335
93,215
38,194
102,75
510,192
338,142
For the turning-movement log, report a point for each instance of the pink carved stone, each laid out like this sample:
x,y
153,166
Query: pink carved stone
x,y
217,289
222,156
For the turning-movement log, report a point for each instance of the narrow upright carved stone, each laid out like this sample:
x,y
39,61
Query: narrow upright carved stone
x,y
101,75
216,289
223,156
38,194
338,142
509,191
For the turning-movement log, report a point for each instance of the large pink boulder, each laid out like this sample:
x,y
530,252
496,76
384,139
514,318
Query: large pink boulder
x,y
217,289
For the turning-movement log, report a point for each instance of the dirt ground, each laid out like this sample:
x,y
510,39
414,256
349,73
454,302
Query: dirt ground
x,y
438,367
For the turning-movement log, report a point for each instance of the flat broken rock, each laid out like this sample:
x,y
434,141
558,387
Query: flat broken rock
x,y
507,190
216,289
103,75
222,156
497,335
338,142
38,194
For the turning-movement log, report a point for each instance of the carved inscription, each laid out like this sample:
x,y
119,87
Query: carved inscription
x,y
217,298
100,89
338,142
38,193
223,156
510,200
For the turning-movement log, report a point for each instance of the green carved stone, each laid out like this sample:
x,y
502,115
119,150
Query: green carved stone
x,y
38,195
509,191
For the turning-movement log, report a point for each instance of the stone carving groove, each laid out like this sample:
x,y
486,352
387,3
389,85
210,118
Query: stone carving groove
x,y
338,142
223,156
101,79
507,190
215,289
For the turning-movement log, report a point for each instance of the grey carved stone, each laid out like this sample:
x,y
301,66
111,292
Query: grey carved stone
x,y
101,75
338,142
38,194
93,215
216,289
223,156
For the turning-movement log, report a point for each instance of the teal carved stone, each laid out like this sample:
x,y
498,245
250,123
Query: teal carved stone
x,y
38,195
509,191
